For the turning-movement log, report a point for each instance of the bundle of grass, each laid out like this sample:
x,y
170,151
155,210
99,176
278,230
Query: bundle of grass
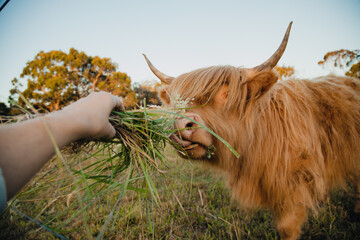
x,y
139,142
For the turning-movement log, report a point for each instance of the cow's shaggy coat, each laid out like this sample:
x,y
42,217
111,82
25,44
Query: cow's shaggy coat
x,y
297,139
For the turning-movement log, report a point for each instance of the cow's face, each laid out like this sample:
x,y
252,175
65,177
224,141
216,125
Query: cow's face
x,y
194,140
216,102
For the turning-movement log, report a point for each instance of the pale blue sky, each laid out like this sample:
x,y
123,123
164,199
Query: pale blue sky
x,y
177,36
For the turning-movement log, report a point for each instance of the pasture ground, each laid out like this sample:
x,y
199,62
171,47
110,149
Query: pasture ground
x,y
194,204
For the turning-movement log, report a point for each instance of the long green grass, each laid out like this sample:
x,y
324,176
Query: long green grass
x,y
193,204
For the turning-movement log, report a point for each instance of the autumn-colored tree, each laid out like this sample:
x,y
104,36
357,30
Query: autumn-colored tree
x,y
56,78
344,59
285,72
354,71
149,91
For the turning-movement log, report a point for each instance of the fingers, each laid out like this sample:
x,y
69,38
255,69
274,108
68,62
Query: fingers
x,y
106,98
118,102
109,132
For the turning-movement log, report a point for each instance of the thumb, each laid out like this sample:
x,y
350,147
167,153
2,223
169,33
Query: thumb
x,y
109,132
117,102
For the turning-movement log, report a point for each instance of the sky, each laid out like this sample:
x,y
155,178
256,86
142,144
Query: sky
x,y
177,36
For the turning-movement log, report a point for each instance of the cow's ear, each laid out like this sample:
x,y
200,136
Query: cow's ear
x,y
260,83
164,96
220,97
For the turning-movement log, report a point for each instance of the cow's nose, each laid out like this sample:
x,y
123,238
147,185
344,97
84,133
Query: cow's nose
x,y
186,127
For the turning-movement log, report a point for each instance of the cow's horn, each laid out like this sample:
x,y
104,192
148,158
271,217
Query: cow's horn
x,y
163,77
273,60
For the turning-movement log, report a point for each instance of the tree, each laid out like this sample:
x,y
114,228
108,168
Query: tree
x,y
354,71
56,78
285,72
344,59
149,91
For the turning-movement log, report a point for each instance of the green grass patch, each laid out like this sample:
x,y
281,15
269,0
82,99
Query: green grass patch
x,y
193,204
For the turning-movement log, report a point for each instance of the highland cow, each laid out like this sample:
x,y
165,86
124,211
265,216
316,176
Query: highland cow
x,y
297,139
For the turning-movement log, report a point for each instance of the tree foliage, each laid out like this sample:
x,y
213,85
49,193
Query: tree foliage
x,y
354,71
56,78
344,59
285,72
149,91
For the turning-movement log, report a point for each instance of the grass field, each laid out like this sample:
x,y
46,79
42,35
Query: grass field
x,y
194,204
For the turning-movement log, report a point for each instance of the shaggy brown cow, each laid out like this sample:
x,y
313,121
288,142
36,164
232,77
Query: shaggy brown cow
x,y
297,139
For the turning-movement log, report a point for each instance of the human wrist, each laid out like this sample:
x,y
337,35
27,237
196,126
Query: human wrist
x,y
63,126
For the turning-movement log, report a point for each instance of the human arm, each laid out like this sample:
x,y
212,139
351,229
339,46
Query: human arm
x,y
26,146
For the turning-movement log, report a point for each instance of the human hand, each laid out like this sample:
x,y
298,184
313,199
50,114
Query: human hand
x,y
26,146
90,115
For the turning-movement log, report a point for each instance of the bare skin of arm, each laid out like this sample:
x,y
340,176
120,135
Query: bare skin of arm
x,y
26,146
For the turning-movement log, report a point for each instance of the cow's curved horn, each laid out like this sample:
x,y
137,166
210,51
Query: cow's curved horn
x,y
273,60
163,77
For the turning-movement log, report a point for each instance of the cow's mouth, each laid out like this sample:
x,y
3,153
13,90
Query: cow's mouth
x,y
186,144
